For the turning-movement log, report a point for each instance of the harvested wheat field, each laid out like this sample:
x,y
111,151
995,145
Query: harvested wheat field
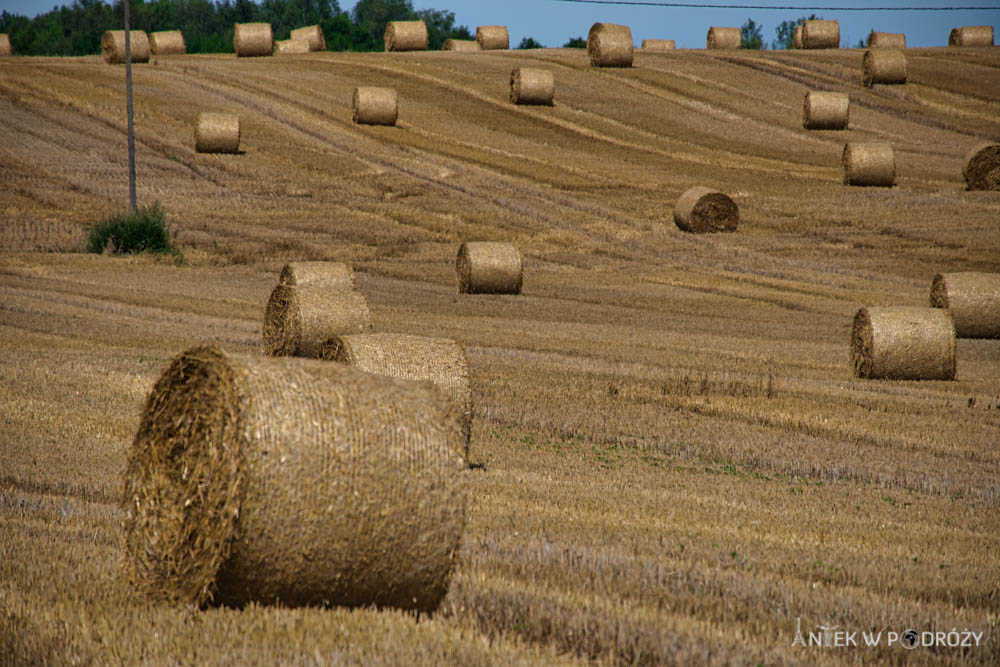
x,y
671,458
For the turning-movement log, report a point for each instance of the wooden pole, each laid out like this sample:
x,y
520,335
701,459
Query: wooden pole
x,y
128,111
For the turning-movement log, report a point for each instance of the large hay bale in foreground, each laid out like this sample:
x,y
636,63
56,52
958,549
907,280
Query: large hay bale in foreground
x,y
312,34
973,299
291,47
971,35
375,106
113,46
532,85
217,133
253,40
826,111
335,275
886,66
406,357
486,267
299,319
797,37
723,38
869,164
5,48
903,343
167,43
982,167
293,481
886,40
406,36
610,45
464,45
702,210
492,37
659,44
820,34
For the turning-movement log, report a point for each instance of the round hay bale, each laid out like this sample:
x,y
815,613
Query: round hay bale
x,y
461,45
532,85
486,267
492,37
253,39
610,45
723,38
405,357
291,47
820,34
903,343
113,46
886,40
299,319
797,37
702,210
5,48
217,133
982,167
167,43
375,106
293,481
406,36
336,275
883,66
658,45
312,34
971,35
973,299
869,164
826,111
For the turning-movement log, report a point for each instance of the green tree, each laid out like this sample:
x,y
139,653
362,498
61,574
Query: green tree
x,y
751,35
530,43
786,31
575,43
441,26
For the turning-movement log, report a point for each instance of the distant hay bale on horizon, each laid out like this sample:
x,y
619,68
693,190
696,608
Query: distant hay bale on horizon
x,y
375,106
405,36
299,319
973,298
981,170
886,66
610,45
167,43
336,275
312,34
292,482
797,37
826,111
217,133
113,46
723,38
251,40
886,40
532,85
703,210
488,267
464,45
5,47
903,343
291,47
659,44
820,34
492,37
971,35
869,164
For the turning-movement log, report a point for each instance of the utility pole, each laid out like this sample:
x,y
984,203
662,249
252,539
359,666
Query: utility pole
x,y
128,110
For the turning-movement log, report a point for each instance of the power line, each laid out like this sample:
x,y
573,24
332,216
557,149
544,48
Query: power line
x,y
783,7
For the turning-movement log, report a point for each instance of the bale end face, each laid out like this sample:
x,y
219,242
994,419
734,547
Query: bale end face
x,y
375,106
610,45
5,48
903,343
704,210
869,164
797,37
489,268
982,167
531,85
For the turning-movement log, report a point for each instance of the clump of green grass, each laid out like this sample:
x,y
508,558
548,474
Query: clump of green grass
x,y
142,231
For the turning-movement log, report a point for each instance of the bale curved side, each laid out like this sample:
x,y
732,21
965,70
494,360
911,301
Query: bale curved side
x,y
406,36
723,38
659,44
886,40
492,37
610,45
886,66
113,46
336,275
703,210
461,45
971,35
291,47
903,343
217,133
973,298
486,267
252,40
167,43
532,85
869,164
820,34
312,34
982,167
375,106
826,111
299,319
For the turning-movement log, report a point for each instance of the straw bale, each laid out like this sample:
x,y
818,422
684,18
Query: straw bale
x,y
5,48
405,357
658,45
982,167
253,39
293,481
872,164
461,45
331,274
299,319
971,35
797,37
113,46
486,267
375,106
167,43
723,38
291,47
886,40
973,299
903,343
532,85
312,34
217,133
406,36
820,34
610,45
826,111
492,37
702,210
883,66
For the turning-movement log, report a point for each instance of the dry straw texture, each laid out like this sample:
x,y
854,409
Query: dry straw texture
x,y
293,481
291,47
702,210
610,45
253,39
973,299
971,35
335,275
406,36
405,357
492,37
871,164
113,46
886,40
982,167
826,111
797,37
723,38
217,133
487,267
312,34
658,45
167,43
820,34
461,45
532,85
299,319
5,48
903,343
883,66
375,106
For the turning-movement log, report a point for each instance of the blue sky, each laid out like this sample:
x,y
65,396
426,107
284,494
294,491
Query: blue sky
x,y
552,22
